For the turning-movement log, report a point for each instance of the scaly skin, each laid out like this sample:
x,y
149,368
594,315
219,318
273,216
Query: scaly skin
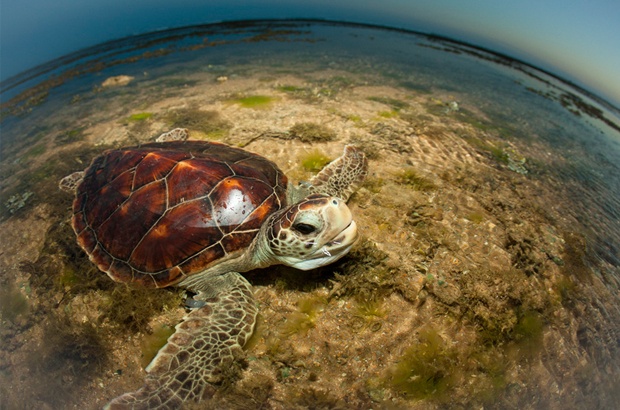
x,y
205,345
342,177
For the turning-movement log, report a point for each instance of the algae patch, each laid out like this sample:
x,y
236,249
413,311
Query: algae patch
x,y
312,132
141,116
426,369
254,101
412,178
314,161
305,317
209,123
151,343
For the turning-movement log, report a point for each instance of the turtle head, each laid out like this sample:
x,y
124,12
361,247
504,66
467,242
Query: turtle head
x,y
315,231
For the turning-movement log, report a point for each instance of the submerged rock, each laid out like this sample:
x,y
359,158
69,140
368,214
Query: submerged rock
x,y
117,81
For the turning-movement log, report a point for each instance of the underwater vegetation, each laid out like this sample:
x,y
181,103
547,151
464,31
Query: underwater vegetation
x,y
311,132
393,103
388,114
370,314
141,116
366,277
426,369
151,343
17,201
412,178
290,88
26,187
209,123
475,217
314,161
131,309
63,271
254,101
305,317
69,136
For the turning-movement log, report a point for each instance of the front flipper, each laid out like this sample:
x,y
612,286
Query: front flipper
x,y
343,176
202,350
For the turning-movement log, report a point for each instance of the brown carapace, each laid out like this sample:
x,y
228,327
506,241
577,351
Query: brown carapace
x,y
157,213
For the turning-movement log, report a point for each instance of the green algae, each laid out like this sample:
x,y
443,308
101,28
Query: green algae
x,y
69,136
131,309
365,275
254,101
35,151
40,182
151,343
314,161
371,309
412,178
374,184
388,114
69,277
141,116
369,314
209,123
528,333
296,323
313,398
291,89
312,132
356,119
426,369
304,319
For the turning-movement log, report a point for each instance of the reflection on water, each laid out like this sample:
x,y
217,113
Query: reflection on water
x,y
488,271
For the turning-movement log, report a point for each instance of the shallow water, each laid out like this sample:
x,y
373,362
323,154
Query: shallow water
x,y
490,226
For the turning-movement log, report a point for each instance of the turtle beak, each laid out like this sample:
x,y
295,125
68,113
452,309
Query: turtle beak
x,y
342,243
339,236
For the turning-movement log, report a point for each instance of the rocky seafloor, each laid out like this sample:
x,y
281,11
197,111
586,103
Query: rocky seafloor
x,y
470,287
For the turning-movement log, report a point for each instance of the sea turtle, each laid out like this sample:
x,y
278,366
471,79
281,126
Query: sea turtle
x,y
194,214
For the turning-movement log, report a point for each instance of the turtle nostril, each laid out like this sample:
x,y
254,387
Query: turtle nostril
x,y
335,202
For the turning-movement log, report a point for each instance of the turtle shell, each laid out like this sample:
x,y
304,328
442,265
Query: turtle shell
x,y
157,213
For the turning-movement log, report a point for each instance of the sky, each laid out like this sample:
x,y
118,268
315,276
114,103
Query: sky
x,y
575,39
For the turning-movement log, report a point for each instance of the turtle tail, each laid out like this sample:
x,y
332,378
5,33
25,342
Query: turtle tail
x,y
203,351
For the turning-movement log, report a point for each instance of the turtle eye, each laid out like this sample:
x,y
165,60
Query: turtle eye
x,y
304,229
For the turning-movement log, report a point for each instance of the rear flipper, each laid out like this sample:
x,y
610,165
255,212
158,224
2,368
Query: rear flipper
x,y
201,352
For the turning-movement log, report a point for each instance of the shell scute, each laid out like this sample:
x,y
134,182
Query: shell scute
x,y
154,166
115,193
198,262
124,273
111,165
86,240
184,231
195,178
101,258
128,224
236,200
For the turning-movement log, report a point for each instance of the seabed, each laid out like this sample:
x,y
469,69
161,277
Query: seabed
x,y
486,275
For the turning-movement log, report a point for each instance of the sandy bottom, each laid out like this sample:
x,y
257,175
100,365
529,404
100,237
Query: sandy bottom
x,y
467,289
